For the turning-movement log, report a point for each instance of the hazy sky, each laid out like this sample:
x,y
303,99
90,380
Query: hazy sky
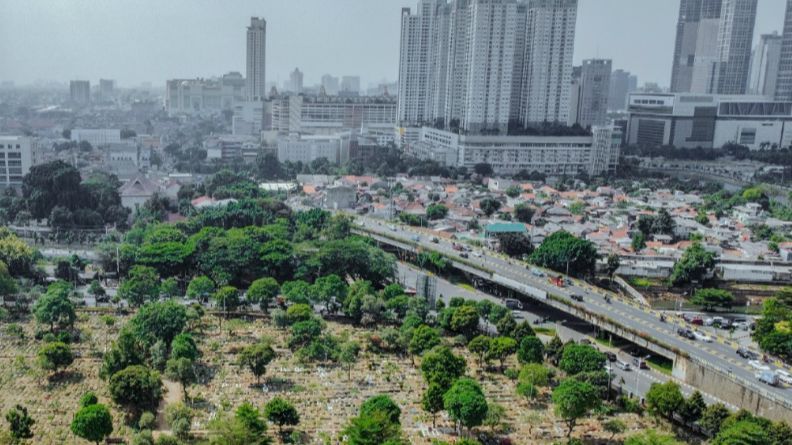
x,y
153,40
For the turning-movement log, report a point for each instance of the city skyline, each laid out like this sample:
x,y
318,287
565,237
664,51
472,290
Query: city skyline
x,y
195,53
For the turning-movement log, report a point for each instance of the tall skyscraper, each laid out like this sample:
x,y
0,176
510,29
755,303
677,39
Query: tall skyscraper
x,y
296,81
622,83
547,61
784,80
479,65
765,59
256,59
590,93
713,46
330,84
80,92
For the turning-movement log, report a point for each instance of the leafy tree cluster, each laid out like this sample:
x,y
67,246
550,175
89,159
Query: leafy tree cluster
x,y
694,265
562,251
56,191
661,224
773,330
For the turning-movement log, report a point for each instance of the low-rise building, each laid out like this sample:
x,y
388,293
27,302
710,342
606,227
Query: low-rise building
x,y
687,120
97,137
16,158
340,197
203,97
550,155
135,192
308,148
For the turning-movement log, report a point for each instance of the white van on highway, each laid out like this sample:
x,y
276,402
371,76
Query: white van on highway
x,y
623,365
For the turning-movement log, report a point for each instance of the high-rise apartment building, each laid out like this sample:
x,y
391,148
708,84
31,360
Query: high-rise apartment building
x,y
765,59
473,65
712,53
256,59
590,93
106,89
330,84
80,92
296,81
547,60
784,79
350,85
17,158
622,83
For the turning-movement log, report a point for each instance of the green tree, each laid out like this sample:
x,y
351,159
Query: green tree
x,y
281,412
500,348
423,339
96,289
524,213
55,356
713,416
160,321
743,433
573,399
711,298
464,320
183,346
256,358
432,400
480,346
694,265
515,245
612,264
182,370
136,388
441,366
92,423
262,292
489,206
88,399
664,399
19,422
141,285
348,355
329,290
638,242
465,403
531,350
578,358
169,288
200,288
694,407
179,416
383,404
227,298
531,377
513,191
374,429
436,211
54,307
614,427
651,437
562,251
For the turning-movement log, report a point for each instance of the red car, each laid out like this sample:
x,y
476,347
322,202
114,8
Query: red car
x,y
697,321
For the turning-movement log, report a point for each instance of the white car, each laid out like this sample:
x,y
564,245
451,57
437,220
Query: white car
x,y
477,254
784,376
702,337
756,364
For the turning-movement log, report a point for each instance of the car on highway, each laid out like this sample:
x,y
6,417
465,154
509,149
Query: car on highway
x,y
392,228
477,254
434,240
463,254
784,376
623,365
767,377
686,333
640,363
698,321
759,366
511,303
576,297
702,337
610,356
416,238
537,273
747,353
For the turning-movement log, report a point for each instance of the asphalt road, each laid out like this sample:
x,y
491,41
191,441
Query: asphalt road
x,y
717,354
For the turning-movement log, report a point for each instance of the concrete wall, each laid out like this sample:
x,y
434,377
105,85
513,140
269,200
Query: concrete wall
x,y
726,388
